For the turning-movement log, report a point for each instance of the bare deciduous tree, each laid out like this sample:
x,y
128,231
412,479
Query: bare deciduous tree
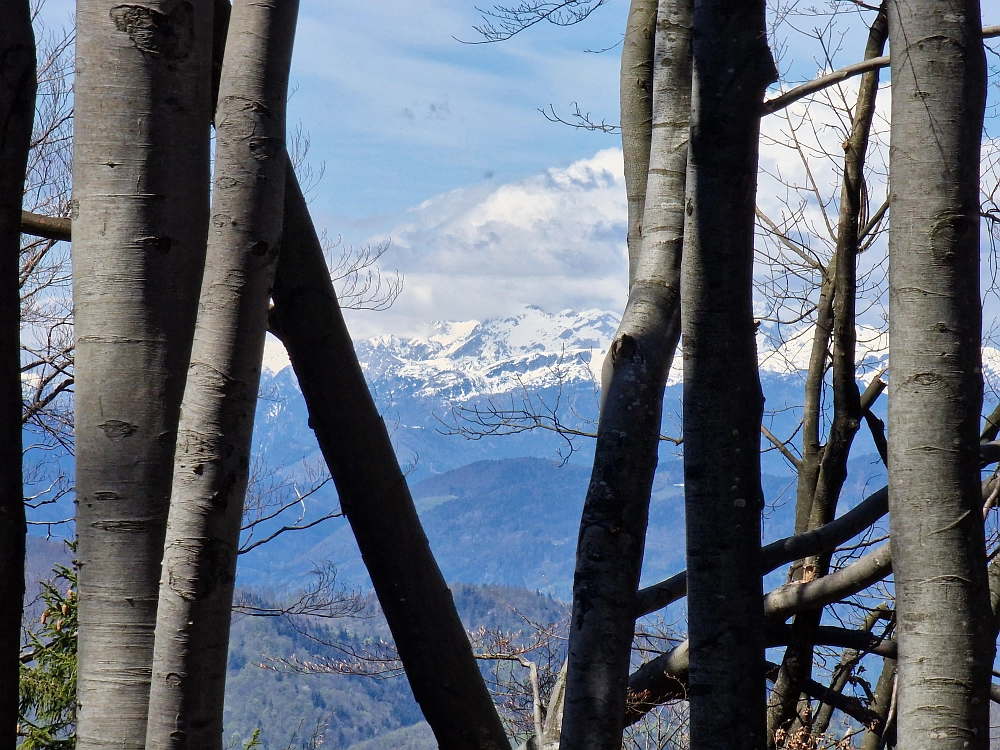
x,y
825,263
613,527
373,493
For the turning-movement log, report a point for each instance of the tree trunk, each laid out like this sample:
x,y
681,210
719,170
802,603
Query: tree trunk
x,y
822,484
944,626
414,597
140,217
637,116
212,459
722,396
613,526
17,109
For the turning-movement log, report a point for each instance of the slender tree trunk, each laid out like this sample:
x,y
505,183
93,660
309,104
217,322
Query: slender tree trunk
x,y
212,459
17,109
414,597
945,633
822,483
140,217
722,396
883,694
637,116
613,526
812,448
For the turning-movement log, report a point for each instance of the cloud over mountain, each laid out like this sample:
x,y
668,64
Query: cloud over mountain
x,y
556,239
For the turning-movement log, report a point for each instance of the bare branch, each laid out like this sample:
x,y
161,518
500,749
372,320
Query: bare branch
x,y
503,22
849,71
580,120
783,551
797,597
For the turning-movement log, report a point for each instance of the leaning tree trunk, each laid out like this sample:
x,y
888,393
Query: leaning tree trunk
x,y
212,459
636,89
17,108
414,597
140,218
613,526
722,395
945,634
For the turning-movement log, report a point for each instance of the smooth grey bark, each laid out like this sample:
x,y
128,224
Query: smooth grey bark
x,y
859,575
417,602
722,395
418,606
945,632
17,110
636,91
212,458
613,524
140,218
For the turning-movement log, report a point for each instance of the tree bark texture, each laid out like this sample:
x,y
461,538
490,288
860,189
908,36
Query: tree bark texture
x,y
722,396
945,633
140,217
212,460
637,116
17,109
613,525
414,597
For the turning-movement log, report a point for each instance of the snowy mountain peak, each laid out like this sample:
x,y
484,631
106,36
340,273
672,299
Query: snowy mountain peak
x,y
534,350
461,360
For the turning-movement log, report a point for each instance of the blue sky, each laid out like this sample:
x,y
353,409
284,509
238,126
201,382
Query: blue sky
x,y
400,111
408,122
439,146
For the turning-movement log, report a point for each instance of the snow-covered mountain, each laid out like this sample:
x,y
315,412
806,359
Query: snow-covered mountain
x,y
417,382
546,358
463,360
470,359
531,506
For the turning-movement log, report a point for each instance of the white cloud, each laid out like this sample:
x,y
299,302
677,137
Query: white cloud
x,y
556,240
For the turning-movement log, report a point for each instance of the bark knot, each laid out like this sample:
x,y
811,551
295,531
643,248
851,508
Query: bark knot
x,y
927,379
115,429
263,148
159,34
160,245
622,347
